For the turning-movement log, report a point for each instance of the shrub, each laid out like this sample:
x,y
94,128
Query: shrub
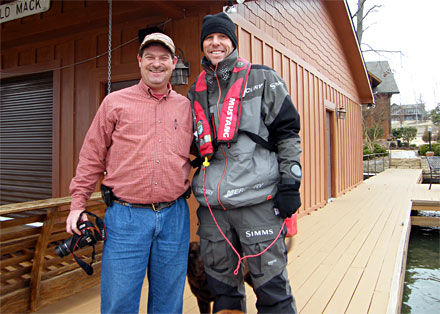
x,y
434,136
425,136
406,133
397,133
409,134
377,150
425,147
366,151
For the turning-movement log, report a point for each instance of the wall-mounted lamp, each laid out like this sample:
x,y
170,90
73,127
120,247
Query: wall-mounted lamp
x,y
180,74
230,8
368,106
341,112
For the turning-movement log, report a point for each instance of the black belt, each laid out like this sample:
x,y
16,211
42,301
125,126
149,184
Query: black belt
x,y
154,206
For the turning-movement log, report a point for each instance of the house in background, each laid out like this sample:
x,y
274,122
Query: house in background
x,y
410,112
55,67
384,87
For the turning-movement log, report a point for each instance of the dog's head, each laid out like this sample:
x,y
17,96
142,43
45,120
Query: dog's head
x,y
195,263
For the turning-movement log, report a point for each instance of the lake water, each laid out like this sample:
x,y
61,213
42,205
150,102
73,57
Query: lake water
x,y
422,279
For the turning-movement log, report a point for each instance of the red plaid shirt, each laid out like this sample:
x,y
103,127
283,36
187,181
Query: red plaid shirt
x,y
140,143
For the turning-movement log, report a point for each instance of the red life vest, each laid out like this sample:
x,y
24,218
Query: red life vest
x,y
229,119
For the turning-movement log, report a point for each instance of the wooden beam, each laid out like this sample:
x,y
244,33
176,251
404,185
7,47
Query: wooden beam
x,y
425,221
51,202
38,263
425,205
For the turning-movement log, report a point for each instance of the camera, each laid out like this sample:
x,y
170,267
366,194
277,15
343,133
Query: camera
x,y
70,244
90,234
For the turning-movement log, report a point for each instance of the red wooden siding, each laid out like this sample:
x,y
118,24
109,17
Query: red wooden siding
x,y
306,29
311,82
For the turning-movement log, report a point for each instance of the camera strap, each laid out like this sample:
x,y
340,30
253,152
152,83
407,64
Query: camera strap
x,y
99,233
86,267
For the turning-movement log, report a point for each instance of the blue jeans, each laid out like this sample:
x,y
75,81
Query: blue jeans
x,y
139,239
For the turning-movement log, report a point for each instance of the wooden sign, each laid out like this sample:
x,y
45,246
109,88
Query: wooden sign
x,y
21,8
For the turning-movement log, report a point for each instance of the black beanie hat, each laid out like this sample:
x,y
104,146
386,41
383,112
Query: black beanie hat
x,y
219,23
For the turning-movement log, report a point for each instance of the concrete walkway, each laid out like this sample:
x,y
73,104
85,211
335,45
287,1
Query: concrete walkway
x,y
400,154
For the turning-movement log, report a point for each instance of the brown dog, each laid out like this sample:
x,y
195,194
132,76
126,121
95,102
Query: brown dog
x,y
198,283
197,279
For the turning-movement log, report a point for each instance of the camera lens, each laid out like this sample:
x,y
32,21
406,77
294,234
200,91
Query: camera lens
x,y
87,238
63,249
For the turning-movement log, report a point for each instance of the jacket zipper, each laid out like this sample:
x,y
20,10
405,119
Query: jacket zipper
x,y
226,158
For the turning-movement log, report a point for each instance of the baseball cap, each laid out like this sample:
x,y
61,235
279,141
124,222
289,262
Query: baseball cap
x,y
159,38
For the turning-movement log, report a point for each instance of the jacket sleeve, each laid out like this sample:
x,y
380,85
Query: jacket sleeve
x,y
194,146
283,123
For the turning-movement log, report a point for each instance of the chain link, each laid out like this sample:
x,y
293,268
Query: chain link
x,y
109,47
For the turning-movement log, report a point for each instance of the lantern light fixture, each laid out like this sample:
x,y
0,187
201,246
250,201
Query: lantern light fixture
x,y
341,112
231,8
180,74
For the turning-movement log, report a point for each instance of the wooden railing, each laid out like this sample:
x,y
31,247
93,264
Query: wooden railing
x,y
32,274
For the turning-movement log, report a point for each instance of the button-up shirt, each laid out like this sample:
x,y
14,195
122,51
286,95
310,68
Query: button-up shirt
x,y
141,143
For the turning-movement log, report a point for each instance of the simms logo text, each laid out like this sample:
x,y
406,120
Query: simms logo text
x,y
258,233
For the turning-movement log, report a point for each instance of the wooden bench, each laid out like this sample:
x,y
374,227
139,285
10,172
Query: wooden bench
x,y
32,275
434,167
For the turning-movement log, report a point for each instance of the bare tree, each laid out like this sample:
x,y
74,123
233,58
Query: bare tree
x,y
360,17
374,119
361,13
401,115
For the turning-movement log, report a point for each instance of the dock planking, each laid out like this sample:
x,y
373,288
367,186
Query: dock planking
x,y
348,257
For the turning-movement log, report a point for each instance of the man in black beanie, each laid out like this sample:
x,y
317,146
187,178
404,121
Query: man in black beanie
x,y
247,134
219,23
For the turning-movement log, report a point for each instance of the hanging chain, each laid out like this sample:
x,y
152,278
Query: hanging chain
x,y
109,47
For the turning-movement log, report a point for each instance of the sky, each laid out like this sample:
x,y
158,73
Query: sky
x,y
411,27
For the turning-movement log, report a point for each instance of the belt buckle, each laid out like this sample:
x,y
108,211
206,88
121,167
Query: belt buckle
x,y
153,206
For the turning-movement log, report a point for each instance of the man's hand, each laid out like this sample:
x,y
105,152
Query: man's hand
x,y
288,200
72,219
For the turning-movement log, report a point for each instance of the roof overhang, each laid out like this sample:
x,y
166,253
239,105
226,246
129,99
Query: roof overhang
x,y
374,80
154,12
339,12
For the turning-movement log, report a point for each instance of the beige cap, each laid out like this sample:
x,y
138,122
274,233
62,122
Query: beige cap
x,y
159,38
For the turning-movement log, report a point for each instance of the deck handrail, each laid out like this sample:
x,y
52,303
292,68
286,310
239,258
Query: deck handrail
x,y
434,167
32,274
33,205
374,156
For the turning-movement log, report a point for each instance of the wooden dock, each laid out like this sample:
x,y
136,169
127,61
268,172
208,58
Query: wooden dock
x,y
348,257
